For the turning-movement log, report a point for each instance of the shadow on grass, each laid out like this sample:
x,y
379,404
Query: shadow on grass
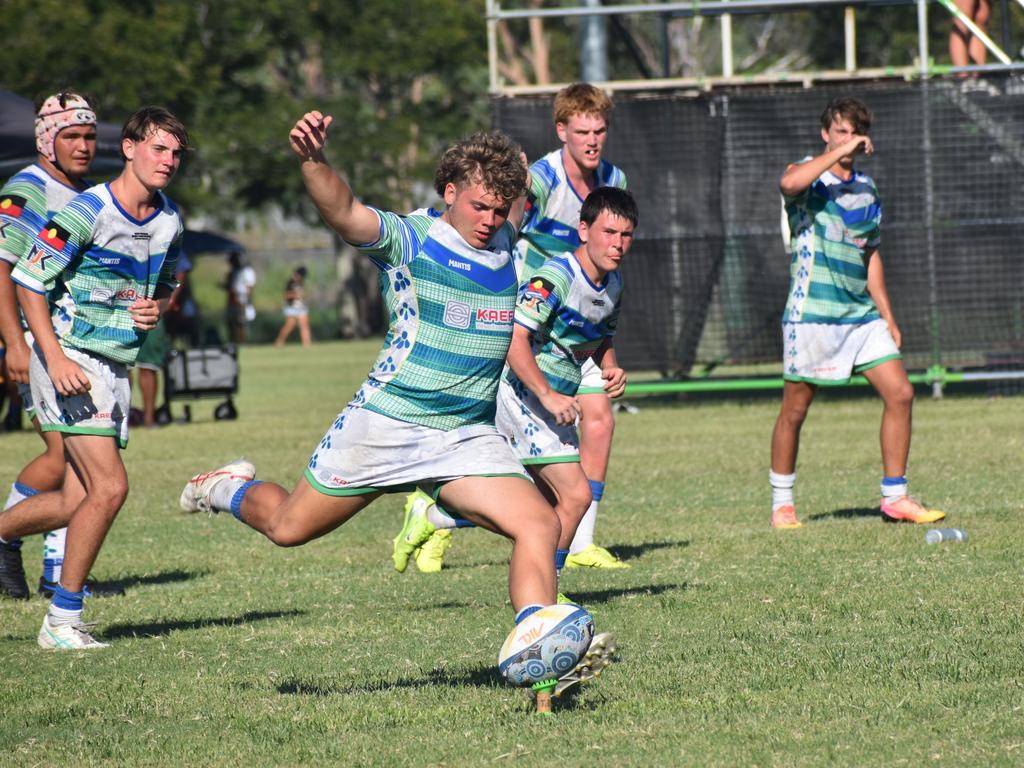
x,y
159,629
479,677
633,551
167,577
847,514
604,595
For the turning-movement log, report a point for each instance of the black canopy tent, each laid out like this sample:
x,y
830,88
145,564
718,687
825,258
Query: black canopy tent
x,y
18,141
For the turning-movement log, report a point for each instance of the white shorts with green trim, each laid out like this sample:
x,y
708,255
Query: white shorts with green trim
x,y
826,353
103,410
366,452
535,435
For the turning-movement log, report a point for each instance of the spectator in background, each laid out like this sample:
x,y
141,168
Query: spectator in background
x,y
964,47
295,310
240,281
182,315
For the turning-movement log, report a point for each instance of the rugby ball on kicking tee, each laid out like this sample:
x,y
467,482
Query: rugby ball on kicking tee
x,y
546,644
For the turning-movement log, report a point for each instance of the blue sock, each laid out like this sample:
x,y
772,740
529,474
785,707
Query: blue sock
x,y
596,490
560,555
236,500
527,612
67,601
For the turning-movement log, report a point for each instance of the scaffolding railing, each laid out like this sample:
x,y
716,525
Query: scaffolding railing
x,y
725,10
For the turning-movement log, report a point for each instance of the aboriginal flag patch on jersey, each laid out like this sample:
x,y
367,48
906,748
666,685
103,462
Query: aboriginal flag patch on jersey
x,y
12,205
536,291
55,236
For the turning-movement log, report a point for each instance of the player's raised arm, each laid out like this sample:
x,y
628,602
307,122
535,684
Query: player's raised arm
x,y
800,176
331,194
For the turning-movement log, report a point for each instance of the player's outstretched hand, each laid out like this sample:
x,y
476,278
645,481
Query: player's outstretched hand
x,y
565,409
309,136
68,379
145,313
614,381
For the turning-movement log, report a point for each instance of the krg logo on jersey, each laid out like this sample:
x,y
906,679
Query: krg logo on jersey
x,y
494,319
457,314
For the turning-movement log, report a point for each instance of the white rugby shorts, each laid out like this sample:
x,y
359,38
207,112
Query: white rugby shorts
x,y
366,452
103,410
535,435
826,353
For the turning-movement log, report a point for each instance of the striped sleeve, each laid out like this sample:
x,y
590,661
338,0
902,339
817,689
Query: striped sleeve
x,y
169,269
542,181
57,244
539,299
22,215
396,245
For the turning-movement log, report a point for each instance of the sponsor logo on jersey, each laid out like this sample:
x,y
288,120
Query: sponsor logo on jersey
x,y
598,302
457,314
55,236
141,236
494,319
101,295
37,261
12,205
463,265
536,292
559,232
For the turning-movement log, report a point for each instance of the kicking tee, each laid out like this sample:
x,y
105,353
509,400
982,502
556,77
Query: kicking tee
x,y
552,217
450,321
834,224
95,260
569,318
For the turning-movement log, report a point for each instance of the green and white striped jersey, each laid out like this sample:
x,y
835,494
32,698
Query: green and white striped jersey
x,y
834,224
450,322
569,317
96,260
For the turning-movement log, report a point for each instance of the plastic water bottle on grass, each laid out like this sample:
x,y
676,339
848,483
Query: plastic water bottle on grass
x,y
935,535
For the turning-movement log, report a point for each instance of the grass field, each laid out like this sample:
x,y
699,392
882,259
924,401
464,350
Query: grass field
x,y
847,642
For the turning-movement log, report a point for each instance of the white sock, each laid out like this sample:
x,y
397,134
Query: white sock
x,y
14,497
894,488
439,519
222,492
64,616
585,530
53,554
782,489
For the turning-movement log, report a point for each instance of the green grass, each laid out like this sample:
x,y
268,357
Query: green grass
x,y
847,642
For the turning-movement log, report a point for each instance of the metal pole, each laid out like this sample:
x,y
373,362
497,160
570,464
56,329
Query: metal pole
x,y
929,234
727,65
594,53
922,37
492,43
850,33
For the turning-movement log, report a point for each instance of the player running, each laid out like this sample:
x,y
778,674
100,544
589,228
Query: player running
x,y
108,261
425,415
65,146
838,321
559,183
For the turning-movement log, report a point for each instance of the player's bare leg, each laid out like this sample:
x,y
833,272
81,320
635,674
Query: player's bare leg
x,y
596,429
565,487
291,519
890,381
46,471
514,508
103,489
797,397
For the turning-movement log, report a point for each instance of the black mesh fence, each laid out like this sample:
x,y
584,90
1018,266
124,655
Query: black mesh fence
x,y
706,280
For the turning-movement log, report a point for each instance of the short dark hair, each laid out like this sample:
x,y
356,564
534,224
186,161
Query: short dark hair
x,y
491,159
847,108
301,271
617,202
142,122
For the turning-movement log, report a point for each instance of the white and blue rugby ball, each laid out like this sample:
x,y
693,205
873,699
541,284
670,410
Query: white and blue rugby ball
x,y
546,644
